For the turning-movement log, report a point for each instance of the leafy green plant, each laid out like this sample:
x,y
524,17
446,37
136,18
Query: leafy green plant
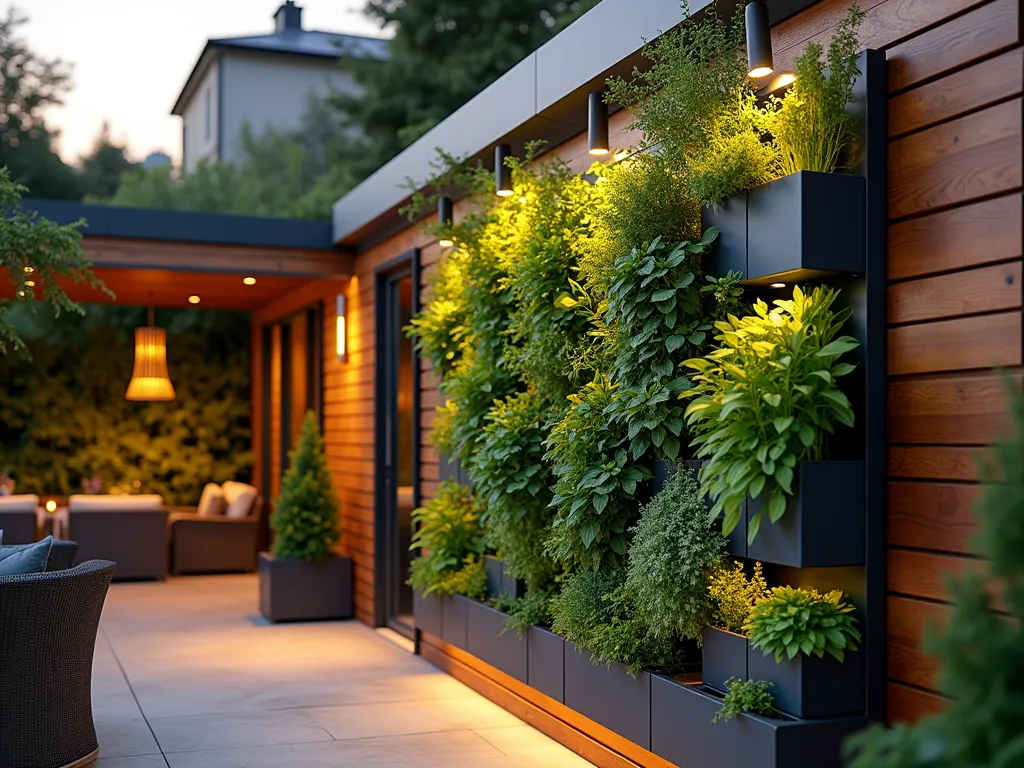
x,y
441,329
448,528
514,484
305,519
593,612
673,552
791,620
810,124
733,595
531,610
595,481
696,104
766,399
980,647
655,307
745,696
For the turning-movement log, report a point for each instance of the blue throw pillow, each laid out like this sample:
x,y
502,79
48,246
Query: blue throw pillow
x,y
30,558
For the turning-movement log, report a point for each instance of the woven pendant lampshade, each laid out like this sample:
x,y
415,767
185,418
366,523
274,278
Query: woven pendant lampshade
x,y
150,381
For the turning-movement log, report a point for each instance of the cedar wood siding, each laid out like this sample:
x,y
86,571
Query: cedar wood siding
x,y
954,302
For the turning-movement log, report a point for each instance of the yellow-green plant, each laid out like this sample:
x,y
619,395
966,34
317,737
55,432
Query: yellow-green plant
x,y
733,595
810,124
766,399
451,541
792,620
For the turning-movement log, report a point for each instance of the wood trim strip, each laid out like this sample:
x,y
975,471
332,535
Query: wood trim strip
x,y
591,741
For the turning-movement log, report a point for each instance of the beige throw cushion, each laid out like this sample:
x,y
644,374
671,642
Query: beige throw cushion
x,y
239,498
211,503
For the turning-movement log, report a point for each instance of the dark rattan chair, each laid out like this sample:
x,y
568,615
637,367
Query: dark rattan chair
x,y
48,625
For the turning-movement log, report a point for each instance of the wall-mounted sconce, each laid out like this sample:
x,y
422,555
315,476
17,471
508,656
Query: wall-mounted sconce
x,y
759,40
597,125
340,329
445,218
502,173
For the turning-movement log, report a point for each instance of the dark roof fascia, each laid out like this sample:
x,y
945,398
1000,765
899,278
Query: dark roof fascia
x,y
188,226
543,97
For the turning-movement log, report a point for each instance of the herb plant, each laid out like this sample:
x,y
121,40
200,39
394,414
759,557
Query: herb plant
x,y
596,481
531,610
448,528
766,399
792,620
810,124
514,484
674,550
980,649
733,596
745,696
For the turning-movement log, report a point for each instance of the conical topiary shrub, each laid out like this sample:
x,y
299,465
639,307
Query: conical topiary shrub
x,y
305,519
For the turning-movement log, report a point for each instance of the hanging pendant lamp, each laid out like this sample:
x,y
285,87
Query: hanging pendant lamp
x,y
150,381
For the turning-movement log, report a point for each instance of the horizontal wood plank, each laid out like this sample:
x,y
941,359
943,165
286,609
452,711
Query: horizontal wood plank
x,y
968,158
907,622
969,236
932,516
908,705
935,462
949,410
986,289
985,341
981,85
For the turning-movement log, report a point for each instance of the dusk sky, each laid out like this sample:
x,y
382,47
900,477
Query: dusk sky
x,y
131,58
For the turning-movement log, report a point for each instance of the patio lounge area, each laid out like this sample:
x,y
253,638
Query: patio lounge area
x,y
188,676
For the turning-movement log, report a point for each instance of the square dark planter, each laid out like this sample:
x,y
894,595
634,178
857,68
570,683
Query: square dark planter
x,y
488,639
807,686
805,226
294,590
683,734
824,521
725,656
546,663
495,569
729,251
736,541
426,613
453,620
609,696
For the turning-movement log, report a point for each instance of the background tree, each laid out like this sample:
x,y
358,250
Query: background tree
x,y
101,171
443,53
29,84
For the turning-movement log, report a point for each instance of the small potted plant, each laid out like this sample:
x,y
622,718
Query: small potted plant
x,y
806,644
733,596
764,404
304,578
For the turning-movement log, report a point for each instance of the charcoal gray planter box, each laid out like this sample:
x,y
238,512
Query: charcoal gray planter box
x,y
546,663
824,521
736,541
294,590
426,613
805,226
609,696
725,656
729,251
488,640
453,620
495,569
806,686
683,734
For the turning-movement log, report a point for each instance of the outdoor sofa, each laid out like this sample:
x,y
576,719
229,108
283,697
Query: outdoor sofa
x,y
130,530
48,622
221,535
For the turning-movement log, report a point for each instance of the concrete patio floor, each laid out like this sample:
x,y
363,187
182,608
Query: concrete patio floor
x,y
188,676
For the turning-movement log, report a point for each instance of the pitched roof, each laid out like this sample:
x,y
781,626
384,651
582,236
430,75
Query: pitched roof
x,y
294,42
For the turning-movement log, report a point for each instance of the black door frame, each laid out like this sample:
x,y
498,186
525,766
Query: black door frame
x,y
405,265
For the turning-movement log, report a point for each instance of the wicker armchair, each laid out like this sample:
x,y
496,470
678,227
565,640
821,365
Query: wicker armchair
x,y
48,622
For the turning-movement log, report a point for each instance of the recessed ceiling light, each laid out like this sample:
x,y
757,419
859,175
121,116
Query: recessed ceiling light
x,y
193,299
777,285
29,270
30,283
249,280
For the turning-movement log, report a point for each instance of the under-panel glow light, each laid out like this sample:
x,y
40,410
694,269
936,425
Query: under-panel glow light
x,y
341,339
777,285
249,280
759,40
786,78
193,299
597,125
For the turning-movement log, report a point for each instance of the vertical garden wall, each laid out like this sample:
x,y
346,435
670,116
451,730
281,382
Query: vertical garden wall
x,y
662,381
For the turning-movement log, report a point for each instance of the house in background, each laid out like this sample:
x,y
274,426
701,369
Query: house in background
x,y
265,81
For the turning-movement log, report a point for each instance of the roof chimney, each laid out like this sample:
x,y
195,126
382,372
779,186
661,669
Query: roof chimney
x,y
288,17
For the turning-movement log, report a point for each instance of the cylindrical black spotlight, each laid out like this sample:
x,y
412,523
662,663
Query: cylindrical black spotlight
x,y
444,218
759,40
502,173
597,125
